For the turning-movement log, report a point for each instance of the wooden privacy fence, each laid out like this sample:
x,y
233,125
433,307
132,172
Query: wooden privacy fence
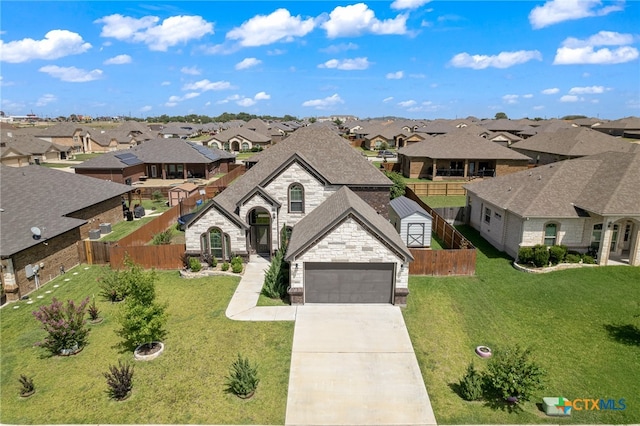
x,y
94,252
428,189
443,262
158,257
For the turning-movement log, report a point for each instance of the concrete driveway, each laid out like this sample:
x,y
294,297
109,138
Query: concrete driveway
x,y
354,365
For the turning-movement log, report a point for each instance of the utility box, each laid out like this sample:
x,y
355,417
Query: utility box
x,y
94,234
105,228
555,406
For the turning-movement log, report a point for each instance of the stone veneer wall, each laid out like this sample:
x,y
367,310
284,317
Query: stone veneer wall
x,y
349,242
214,218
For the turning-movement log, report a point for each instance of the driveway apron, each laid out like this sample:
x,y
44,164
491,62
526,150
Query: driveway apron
x,y
354,365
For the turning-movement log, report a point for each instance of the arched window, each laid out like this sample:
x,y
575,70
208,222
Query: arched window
x,y
296,198
215,243
245,146
226,146
550,234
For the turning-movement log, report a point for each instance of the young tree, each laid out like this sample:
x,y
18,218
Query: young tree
x,y
501,116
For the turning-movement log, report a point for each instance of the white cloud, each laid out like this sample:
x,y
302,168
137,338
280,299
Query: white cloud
x,y
527,96
325,103
191,70
146,108
206,85
165,83
191,95
347,64
276,52
56,44
71,74
556,11
172,31
246,102
603,38
407,104
357,19
592,90
551,91
266,29
569,98
46,99
338,48
576,51
389,99
118,60
395,75
502,60
408,4
538,107
510,99
248,63
261,96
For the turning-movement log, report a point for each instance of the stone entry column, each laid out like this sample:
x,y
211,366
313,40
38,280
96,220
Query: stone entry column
x,y
634,250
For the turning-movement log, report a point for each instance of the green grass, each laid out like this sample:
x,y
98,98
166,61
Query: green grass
x,y
56,165
245,155
124,228
185,385
437,201
85,157
582,324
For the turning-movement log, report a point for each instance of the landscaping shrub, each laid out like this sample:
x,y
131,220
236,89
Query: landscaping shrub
x,y
94,312
27,385
399,184
157,196
120,380
225,266
471,384
114,286
525,255
557,254
243,378
194,264
236,265
511,373
572,258
142,320
275,282
213,262
65,325
588,260
540,255
162,238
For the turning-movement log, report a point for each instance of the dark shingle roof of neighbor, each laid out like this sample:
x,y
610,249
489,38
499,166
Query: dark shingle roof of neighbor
x,y
161,150
605,184
337,208
574,142
405,207
244,132
41,197
460,144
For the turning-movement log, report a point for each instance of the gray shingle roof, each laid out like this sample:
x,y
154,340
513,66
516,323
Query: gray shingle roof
x,y
40,196
460,144
573,142
605,184
405,207
243,132
336,209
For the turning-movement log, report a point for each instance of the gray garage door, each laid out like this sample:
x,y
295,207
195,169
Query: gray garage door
x,y
348,282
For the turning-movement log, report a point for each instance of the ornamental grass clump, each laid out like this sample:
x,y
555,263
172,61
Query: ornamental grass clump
x,y
120,380
243,378
65,326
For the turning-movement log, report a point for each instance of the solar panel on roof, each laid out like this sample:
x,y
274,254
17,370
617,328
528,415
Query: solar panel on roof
x,y
129,159
204,151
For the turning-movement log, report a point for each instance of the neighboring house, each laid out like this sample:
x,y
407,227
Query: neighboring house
x,y
628,127
587,204
568,143
505,139
459,155
67,134
238,139
63,207
411,221
334,203
22,150
158,159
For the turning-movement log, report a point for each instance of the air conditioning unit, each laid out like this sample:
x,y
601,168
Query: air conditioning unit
x,y
94,234
105,228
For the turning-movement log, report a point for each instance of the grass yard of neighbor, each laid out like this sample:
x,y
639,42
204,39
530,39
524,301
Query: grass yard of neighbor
x,y
582,324
436,201
185,385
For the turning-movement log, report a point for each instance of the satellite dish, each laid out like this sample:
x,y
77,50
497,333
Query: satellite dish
x,y
37,233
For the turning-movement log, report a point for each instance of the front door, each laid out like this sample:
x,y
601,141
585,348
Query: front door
x,y
260,234
154,171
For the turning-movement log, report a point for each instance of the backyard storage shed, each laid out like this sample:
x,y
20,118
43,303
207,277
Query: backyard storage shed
x,y
180,192
411,221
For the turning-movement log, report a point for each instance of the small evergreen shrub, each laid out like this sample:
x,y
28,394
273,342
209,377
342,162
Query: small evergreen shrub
x,y
157,196
27,385
236,265
540,255
588,260
65,325
399,184
511,373
557,254
471,384
225,266
214,262
94,312
243,378
120,380
162,238
194,264
572,258
525,255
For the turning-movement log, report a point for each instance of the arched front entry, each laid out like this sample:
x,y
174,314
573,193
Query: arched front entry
x,y
260,231
235,146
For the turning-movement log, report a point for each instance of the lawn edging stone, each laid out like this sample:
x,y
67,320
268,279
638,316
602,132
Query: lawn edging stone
x,y
546,269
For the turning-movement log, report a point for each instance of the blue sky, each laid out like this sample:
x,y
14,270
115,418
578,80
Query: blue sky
x,y
407,58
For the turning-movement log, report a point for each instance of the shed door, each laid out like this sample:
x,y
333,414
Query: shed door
x,y
348,282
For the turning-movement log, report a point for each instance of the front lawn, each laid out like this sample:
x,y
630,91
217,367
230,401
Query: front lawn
x,y
582,324
185,385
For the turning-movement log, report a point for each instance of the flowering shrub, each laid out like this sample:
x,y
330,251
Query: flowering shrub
x,y
65,325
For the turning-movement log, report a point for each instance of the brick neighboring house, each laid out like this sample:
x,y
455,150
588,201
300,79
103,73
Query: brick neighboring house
x,y
334,203
158,159
587,204
64,207
568,143
460,154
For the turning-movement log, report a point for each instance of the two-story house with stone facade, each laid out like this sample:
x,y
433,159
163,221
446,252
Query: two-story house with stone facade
x,y
334,205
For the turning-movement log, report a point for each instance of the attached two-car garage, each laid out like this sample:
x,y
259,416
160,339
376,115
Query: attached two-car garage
x,y
349,282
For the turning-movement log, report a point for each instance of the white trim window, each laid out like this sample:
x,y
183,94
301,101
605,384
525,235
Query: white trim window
x,y
296,198
550,234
